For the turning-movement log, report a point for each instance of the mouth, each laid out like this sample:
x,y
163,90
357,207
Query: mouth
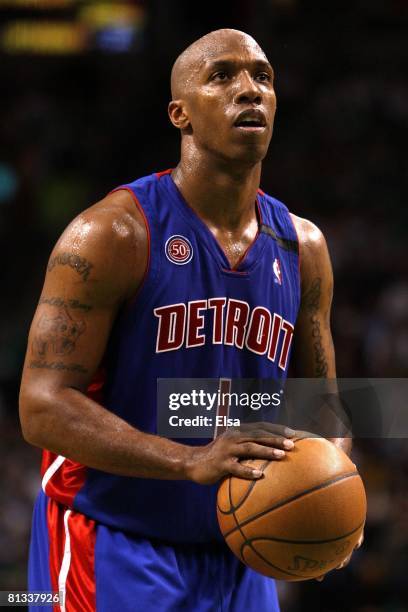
x,y
250,121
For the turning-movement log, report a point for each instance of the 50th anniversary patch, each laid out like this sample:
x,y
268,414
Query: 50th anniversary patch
x,y
178,250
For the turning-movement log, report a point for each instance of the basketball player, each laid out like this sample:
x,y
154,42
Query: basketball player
x,y
187,273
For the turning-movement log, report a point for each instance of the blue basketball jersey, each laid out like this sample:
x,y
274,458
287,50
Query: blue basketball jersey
x,y
193,317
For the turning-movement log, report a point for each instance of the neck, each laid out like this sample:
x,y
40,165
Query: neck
x,y
222,195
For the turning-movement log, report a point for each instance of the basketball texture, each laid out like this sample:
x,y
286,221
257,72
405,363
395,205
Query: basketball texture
x,y
301,519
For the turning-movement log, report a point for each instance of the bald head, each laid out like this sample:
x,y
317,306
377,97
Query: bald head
x,y
205,48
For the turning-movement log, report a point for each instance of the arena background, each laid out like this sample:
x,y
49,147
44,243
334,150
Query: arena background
x,y
85,87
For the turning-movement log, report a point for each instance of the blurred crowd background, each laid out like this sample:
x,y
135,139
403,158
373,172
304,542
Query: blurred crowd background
x,y
85,86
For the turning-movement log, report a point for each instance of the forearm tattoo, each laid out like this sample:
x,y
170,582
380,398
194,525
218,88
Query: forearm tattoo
x,y
311,302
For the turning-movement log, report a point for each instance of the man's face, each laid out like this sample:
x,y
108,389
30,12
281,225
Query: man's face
x,y
231,100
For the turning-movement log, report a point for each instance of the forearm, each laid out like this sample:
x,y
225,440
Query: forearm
x,y
341,423
333,417
72,425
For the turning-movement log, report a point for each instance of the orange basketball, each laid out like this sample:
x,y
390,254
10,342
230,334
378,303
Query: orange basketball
x,y
301,519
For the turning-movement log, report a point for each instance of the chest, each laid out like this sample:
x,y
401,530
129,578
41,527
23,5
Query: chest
x,y
235,243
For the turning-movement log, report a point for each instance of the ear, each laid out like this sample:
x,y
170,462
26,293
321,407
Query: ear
x,y
178,114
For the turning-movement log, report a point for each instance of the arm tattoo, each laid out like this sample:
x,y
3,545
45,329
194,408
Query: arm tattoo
x,y
79,264
56,301
57,334
57,365
312,296
321,366
311,301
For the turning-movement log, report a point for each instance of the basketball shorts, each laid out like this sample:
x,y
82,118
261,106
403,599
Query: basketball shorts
x,y
101,569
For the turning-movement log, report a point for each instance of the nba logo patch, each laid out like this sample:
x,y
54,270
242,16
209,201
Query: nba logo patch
x,y
277,271
178,250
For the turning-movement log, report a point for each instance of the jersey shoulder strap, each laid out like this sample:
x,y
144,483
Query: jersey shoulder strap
x,y
277,223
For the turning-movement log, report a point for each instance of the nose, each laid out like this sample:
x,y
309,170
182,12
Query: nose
x,y
247,90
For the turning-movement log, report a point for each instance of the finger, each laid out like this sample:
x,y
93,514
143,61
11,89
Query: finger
x,y
275,441
257,451
269,428
302,435
273,428
243,471
321,578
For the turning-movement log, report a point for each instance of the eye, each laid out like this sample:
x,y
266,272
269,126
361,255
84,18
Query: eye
x,y
221,75
263,77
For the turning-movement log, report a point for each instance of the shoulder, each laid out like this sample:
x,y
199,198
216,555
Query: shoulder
x,y
310,237
109,240
114,217
114,222
313,251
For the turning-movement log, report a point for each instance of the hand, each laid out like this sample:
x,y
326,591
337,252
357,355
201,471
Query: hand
x,y
208,464
347,559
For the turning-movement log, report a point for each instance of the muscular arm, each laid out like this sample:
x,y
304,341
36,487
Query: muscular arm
x,y
95,268
314,351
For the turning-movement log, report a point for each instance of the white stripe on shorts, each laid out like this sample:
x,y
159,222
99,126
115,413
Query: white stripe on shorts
x,y
66,562
55,465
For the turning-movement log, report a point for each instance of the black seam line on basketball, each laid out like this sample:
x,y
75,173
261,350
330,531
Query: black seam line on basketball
x,y
288,500
247,543
251,486
229,491
285,243
345,535
233,514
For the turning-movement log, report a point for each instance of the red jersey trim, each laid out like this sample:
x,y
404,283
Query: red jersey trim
x,y
163,172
